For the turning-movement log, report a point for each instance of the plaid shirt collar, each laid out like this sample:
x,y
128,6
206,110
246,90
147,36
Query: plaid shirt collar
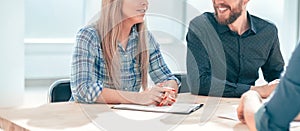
x,y
133,33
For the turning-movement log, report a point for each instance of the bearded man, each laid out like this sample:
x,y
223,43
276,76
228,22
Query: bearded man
x,y
247,44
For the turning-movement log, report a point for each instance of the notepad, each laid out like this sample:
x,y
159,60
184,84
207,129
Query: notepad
x,y
177,108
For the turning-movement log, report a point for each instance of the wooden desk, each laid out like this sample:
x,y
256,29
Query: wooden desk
x,y
75,116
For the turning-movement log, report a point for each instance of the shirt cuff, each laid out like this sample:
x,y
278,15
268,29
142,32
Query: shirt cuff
x,y
241,89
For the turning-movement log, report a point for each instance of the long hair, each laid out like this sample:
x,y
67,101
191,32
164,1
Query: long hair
x,y
109,27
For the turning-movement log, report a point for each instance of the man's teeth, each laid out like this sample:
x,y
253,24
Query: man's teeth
x,y
222,9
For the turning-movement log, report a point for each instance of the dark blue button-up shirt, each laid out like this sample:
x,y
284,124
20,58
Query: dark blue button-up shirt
x,y
258,47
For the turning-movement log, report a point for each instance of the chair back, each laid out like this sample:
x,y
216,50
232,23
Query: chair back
x,y
60,91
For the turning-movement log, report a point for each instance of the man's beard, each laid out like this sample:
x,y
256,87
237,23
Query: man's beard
x,y
234,14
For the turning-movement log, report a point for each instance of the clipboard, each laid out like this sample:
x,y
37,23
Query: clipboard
x,y
176,108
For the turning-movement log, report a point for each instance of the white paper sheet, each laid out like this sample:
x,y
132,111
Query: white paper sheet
x,y
233,116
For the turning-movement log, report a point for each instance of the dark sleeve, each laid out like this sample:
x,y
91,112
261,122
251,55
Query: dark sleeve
x,y
274,65
284,106
199,75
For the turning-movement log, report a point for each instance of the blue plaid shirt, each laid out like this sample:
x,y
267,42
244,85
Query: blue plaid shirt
x,y
89,75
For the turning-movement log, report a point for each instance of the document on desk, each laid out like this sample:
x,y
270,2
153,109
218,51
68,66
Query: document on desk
x,y
233,116
176,108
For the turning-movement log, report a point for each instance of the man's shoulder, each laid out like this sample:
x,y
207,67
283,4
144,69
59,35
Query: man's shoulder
x,y
261,23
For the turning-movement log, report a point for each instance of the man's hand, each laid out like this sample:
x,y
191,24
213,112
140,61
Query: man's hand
x,y
265,90
249,104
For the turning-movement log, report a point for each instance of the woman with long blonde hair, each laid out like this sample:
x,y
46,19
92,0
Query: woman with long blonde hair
x,y
113,57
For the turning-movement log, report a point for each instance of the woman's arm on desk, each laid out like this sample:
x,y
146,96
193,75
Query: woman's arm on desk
x,y
151,96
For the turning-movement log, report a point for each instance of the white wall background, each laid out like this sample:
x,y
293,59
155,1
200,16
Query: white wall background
x,y
50,31
167,19
11,52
